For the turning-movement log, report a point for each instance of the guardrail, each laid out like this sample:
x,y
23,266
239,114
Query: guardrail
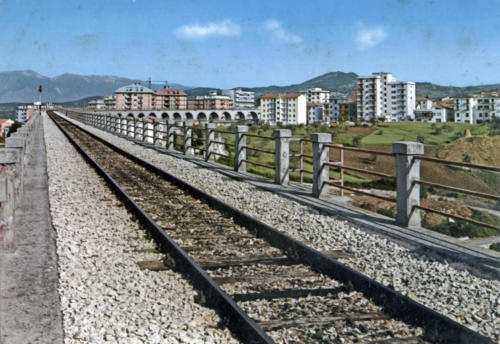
x,y
407,156
14,159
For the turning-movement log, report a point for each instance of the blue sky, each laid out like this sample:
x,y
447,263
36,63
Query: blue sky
x,y
254,43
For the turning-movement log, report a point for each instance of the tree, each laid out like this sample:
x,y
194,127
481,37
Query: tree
x,y
13,128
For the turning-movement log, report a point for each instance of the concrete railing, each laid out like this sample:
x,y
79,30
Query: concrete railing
x,y
161,133
14,159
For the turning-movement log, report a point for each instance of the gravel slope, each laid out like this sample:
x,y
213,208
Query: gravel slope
x,y
470,300
105,297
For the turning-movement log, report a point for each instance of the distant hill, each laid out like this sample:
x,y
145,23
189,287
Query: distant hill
x,y
19,86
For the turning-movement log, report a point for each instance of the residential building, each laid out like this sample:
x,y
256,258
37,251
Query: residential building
x,y
241,99
431,110
24,112
380,96
134,97
316,113
109,101
317,95
170,98
96,104
478,108
285,108
5,124
341,106
212,101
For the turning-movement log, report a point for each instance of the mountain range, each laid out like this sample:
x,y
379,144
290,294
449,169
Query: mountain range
x,y
19,86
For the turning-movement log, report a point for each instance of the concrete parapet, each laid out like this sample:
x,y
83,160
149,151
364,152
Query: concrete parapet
x,y
240,150
407,191
13,163
321,155
282,155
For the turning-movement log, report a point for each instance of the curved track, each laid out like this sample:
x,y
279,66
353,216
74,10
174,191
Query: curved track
x,y
265,285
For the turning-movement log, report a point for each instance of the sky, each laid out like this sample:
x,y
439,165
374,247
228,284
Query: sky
x,y
218,43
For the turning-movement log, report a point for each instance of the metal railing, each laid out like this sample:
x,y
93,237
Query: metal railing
x,y
407,156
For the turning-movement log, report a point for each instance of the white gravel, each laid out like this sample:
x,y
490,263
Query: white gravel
x,y
105,297
470,300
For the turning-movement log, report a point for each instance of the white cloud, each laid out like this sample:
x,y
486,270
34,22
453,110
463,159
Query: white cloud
x,y
220,28
369,36
275,27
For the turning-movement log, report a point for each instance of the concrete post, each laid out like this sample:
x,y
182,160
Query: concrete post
x,y
321,155
170,135
240,150
209,137
188,137
407,191
282,156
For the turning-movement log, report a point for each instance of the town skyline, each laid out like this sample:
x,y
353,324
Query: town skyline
x,y
198,44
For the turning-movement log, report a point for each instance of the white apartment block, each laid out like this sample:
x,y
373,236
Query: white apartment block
x,y
317,95
334,107
381,96
430,111
284,108
241,99
316,113
478,108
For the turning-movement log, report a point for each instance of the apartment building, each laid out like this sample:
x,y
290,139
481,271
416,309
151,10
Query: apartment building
x,y
134,97
317,95
285,108
341,106
478,108
24,112
212,101
432,111
170,98
381,96
316,113
241,99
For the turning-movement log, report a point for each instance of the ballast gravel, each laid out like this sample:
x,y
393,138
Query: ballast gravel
x,y
470,300
105,296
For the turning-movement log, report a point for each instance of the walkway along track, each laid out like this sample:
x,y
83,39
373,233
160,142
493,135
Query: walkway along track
x,y
292,292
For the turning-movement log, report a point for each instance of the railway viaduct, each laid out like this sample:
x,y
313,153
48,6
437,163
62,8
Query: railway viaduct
x,y
188,115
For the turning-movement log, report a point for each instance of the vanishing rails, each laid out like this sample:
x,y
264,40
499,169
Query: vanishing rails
x,y
265,285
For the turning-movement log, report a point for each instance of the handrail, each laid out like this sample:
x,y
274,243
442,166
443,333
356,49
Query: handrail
x,y
458,217
389,199
464,164
379,174
260,150
259,136
259,164
360,150
451,188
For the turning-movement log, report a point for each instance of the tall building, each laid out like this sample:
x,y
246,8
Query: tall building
x,y
380,96
24,112
134,97
241,99
317,95
285,108
212,101
341,106
170,98
478,108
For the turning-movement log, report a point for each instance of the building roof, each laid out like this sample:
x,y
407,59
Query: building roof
x,y
487,94
169,91
134,88
6,120
290,95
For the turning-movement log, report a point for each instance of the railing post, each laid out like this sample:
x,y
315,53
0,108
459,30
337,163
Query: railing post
x,y
209,137
170,135
240,150
407,191
321,155
188,137
282,156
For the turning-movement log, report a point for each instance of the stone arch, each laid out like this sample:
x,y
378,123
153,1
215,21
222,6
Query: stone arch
x,y
214,116
240,116
130,115
177,116
227,116
152,117
202,117
165,116
119,114
253,115
189,116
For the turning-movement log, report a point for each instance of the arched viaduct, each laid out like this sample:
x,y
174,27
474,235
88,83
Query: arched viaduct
x,y
188,115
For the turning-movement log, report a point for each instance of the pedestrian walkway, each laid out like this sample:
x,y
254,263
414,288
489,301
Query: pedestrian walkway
x,y
29,301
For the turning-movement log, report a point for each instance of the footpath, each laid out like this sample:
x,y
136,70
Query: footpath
x,y
29,301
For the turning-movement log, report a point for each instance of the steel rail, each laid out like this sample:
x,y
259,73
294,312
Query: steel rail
x,y
259,136
437,327
464,164
238,321
260,150
259,164
360,150
452,188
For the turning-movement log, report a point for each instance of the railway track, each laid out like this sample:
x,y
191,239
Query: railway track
x,y
265,286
